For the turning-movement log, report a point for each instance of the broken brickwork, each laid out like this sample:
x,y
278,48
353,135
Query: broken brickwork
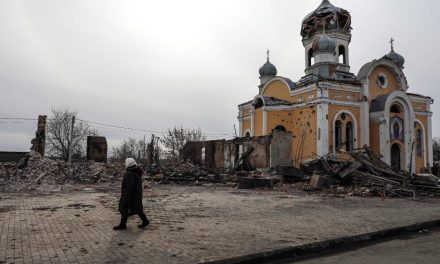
x,y
97,149
39,142
251,152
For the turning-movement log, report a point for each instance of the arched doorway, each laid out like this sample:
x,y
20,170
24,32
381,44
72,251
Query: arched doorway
x,y
396,156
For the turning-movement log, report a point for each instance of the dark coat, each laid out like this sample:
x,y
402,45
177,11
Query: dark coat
x,y
131,192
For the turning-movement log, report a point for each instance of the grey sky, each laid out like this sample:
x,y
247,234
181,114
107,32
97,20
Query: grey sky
x,y
156,64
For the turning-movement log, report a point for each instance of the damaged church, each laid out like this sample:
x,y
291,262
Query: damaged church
x,y
331,110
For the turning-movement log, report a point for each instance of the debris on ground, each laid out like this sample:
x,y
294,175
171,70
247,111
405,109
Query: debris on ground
x,y
35,170
365,173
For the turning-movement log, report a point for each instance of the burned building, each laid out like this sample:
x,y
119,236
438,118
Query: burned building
x,y
331,110
250,152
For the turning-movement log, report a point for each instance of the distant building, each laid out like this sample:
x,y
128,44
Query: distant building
x,y
331,110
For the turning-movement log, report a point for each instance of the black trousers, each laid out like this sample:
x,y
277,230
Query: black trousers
x,y
142,215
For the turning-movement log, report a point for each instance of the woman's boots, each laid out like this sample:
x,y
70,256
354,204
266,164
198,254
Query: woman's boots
x,y
122,225
144,219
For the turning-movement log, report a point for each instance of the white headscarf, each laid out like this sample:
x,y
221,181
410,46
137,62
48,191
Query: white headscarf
x,y
130,162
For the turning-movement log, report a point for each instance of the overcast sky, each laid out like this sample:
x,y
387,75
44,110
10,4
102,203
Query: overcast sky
x,y
156,64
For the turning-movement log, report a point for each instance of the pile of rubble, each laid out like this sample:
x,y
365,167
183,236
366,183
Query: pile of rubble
x,y
35,170
369,175
185,173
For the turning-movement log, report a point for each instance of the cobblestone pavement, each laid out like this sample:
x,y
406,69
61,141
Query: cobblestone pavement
x,y
188,224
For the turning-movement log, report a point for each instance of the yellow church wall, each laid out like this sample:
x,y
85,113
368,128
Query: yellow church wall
x,y
418,106
374,138
420,162
258,122
374,89
333,110
343,95
246,125
279,90
302,124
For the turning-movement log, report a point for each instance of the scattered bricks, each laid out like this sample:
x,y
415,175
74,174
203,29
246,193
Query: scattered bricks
x,y
319,182
255,182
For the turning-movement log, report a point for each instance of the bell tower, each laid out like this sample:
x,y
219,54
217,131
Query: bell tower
x,y
326,34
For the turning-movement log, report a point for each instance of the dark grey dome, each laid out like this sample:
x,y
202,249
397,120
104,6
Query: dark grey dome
x,y
324,43
398,59
268,69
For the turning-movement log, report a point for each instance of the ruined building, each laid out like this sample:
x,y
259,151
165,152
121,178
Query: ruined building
x,y
331,110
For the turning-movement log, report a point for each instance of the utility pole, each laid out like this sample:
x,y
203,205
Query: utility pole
x,y
235,131
69,159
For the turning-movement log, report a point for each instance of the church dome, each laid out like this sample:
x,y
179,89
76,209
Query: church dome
x,y
326,16
268,69
395,57
324,43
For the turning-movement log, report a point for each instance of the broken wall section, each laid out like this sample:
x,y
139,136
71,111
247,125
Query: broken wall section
x,y
261,152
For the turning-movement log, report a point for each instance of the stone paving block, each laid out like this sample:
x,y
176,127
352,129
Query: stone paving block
x,y
188,224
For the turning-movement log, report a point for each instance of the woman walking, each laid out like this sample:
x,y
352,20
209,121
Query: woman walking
x,y
130,202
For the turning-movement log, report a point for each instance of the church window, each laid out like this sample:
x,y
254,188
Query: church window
x,y
311,59
349,136
419,142
259,103
338,134
382,81
280,128
395,109
341,58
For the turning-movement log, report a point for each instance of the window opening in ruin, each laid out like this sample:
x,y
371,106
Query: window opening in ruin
x,y
311,59
349,136
338,134
419,140
341,53
203,155
395,109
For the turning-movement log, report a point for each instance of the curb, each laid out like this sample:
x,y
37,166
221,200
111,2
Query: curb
x,y
307,250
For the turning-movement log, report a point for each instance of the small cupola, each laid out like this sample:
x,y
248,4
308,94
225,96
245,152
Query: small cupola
x,y
395,57
324,44
267,72
268,69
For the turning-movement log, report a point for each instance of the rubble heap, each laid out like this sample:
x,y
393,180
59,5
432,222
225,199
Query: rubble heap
x,y
34,170
367,171
186,172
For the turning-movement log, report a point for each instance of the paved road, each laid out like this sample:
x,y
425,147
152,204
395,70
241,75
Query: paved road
x,y
418,249
188,224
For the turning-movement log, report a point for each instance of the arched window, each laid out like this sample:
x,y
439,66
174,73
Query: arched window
x,y
419,142
280,128
338,134
395,108
341,52
349,136
259,103
311,59
247,134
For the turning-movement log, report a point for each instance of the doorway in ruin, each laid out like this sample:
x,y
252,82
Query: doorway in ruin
x,y
396,156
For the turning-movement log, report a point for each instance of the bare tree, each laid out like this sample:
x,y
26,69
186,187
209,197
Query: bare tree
x,y
177,137
130,148
59,129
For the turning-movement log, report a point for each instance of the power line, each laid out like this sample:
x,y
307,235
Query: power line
x,y
112,126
